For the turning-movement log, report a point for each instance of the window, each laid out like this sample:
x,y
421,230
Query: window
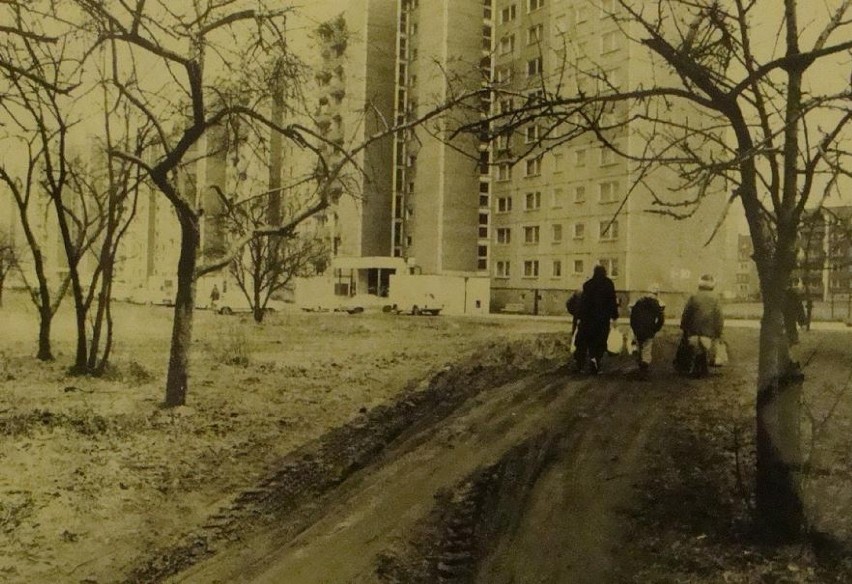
x,y
608,192
503,269
534,34
558,162
534,66
579,268
531,234
504,171
531,268
535,96
506,106
607,156
504,235
507,44
579,230
558,197
504,75
504,204
581,14
532,201
556,270
611,265
556,232
580,194
608,230
503,142
532,134
608,8
534,5
580,157
533,166
508,14
609,42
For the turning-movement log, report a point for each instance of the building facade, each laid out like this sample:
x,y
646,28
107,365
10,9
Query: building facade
x,y
560,210
441,202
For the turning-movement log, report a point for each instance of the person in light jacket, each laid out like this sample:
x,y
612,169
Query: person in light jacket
x,y
702,323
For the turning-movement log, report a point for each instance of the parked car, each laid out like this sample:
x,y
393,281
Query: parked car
x,y
425,305
152,296
235,301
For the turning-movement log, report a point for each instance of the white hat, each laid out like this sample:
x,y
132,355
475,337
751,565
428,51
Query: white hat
x,y
706,282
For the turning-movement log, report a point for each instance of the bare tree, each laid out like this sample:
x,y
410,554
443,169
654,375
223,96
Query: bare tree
x,y
8,259
717,109
35,76
213,61
269,264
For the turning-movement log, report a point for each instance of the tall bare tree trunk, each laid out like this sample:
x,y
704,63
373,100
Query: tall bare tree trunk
x,y
780,514
45,353
178,375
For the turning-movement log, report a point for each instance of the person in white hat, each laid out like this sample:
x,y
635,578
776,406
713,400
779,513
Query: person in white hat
x,y
647,316
702,323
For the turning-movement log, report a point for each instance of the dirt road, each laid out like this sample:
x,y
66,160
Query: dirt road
x,y
554,517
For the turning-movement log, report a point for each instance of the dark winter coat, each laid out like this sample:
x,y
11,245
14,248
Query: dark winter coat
x,y
703,315
794,314
573,304
599,304
646,317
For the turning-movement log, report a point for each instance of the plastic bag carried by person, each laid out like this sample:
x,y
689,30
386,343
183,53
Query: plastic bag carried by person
x,y
615,342
720,353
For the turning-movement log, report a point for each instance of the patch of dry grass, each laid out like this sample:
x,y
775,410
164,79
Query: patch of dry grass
x,y
96,464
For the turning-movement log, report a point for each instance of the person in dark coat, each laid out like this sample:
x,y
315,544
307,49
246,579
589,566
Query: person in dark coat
x,y
572,305
647,317
794,312
599,306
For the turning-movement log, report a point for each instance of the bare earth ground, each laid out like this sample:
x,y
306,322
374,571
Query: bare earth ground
x,y
336,448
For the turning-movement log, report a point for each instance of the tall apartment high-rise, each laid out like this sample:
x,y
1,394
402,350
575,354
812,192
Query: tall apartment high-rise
x,y
558,211
441,203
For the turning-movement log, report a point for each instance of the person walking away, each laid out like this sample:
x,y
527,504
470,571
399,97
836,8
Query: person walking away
x,y
599,305
794,311
647,317
214,297
794,316
702,323
572,305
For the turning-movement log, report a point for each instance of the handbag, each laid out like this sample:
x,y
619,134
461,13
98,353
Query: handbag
x,y
720,353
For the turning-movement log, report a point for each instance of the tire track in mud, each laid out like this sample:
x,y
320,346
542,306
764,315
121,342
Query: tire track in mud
x,y
507,465
292,496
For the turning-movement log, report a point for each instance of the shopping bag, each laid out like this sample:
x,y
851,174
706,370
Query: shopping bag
x,y
614,342
720,353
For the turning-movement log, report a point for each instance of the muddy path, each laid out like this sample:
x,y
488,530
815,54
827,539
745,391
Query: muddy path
x,y
523,482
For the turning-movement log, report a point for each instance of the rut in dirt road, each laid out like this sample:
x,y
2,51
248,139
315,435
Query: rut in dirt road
x,y
556,521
